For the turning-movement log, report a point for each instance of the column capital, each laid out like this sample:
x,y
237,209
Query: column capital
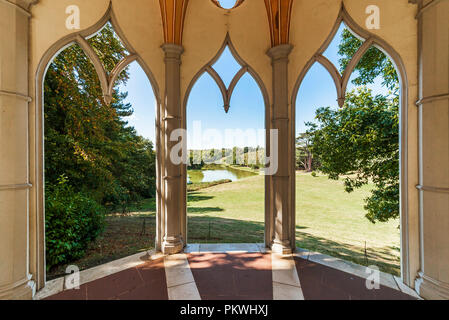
x,y
172,51
172,48
21,4
280,52
26,3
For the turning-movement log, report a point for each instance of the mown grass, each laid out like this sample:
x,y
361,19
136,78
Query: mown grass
x,y
328,220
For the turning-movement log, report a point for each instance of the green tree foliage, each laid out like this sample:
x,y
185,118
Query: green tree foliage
x,y
361,140
87,140
72,220
373,64
304,155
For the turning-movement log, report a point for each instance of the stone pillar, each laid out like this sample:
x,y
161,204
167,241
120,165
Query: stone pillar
x,y
284,217
15,280
172,239
433,281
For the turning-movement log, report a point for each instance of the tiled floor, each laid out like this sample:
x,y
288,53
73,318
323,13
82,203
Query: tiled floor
x,y
319,282
144,282
231,273
232,276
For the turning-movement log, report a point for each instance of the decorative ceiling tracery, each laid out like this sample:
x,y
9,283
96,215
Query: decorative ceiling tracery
x,y
279,16
173,15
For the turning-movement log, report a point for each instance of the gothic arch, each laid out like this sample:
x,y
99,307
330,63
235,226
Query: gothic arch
x,y
227,92
341,80
341,83
227,95
107,85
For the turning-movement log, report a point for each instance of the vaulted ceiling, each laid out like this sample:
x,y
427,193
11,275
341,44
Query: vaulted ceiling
x,y
173,15
278,15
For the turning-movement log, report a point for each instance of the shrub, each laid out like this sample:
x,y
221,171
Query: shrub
x,y
72,221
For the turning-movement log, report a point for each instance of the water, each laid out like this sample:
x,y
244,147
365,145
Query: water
x,y
222,173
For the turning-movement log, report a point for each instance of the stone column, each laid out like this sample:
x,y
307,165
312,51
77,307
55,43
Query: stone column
x,y
15,280
433,281
172,239
283,240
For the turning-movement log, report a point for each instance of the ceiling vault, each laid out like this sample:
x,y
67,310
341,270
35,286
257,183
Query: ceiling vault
x,y
173,14
279,16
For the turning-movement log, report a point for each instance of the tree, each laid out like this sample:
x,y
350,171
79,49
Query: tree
x,y
361,140
87,140
304,155
234,155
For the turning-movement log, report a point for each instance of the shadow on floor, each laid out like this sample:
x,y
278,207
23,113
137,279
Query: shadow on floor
x,y
382,257
319,282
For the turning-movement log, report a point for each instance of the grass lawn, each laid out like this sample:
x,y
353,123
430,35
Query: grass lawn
x,y
328,219
332,221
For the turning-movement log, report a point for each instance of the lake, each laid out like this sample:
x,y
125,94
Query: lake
x,y
217,174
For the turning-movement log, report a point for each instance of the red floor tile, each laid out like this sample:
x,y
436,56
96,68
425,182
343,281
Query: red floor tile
x,y
144,282
319,282
232,276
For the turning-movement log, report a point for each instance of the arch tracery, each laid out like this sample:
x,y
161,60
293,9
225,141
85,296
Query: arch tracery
x,y
226,91
341,80
107,79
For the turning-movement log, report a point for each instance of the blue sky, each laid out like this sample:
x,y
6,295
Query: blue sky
x,y
141,97
227,4
247,106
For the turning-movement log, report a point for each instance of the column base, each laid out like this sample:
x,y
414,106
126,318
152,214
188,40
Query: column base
x,y
22,290
281,247
431,289
172,245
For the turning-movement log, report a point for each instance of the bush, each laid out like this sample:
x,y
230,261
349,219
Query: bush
x,y
72,221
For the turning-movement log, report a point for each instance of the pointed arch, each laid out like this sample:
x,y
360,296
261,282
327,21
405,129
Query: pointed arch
x,y
80,38
245,68
37,242
227,91
341,82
